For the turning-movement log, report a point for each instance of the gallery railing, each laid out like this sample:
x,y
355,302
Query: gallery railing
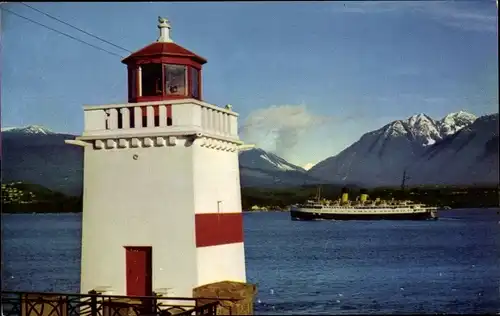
x,y
59,304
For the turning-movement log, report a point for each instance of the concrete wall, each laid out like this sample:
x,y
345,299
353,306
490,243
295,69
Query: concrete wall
x,y
221,263
217,178
143,202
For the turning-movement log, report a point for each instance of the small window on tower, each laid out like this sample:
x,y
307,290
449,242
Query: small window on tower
x,y
151,80
175,80
195,85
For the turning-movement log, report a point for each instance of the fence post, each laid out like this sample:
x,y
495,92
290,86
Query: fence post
x,y
93,303
155,308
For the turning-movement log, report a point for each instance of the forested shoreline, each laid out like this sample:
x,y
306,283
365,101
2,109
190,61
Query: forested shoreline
x,y
21,197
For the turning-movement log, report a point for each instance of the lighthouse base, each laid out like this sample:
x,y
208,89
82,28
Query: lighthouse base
x,y
234,298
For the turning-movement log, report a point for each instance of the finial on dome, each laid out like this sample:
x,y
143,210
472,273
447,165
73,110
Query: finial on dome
x,y
164,26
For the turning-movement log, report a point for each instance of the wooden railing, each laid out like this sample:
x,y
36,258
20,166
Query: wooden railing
x,y
61,304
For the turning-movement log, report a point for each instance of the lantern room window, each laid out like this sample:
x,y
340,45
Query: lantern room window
x,y
164,80
151,80
175,79
195,85
132,81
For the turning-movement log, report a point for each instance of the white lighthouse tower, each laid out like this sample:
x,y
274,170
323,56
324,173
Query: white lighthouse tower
x,y
161,200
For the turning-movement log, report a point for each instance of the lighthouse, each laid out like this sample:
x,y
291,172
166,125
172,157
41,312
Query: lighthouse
x,y
161,199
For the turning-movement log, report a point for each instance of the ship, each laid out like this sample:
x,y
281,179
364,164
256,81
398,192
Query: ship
x,y
361,209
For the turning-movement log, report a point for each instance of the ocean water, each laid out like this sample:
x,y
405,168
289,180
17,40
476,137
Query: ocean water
x,y
355,267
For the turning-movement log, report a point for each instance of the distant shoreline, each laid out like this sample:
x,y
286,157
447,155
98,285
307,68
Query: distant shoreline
x,y
40,212
40,208
259,211
22,198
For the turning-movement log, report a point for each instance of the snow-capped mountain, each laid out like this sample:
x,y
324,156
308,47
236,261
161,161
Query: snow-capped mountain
x,y
30,129
450,150
469,156
426,131
261,168
257,158
37,155
454,122
381,156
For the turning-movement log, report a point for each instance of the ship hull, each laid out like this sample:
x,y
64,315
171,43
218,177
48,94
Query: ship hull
x,y
309,216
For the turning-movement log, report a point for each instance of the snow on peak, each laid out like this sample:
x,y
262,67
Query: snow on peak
x,y
278,162
417,127
460,115
394,129
259,158
426,130
30,129
454,122
418,118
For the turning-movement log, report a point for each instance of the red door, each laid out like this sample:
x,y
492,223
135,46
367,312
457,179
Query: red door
x,y
139,271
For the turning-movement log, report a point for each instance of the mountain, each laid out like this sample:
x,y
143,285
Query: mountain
x,y
453,150
31,129
380,157
470,156
454,122
37,155
257,158
259,168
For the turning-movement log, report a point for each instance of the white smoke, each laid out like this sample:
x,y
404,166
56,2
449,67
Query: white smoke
x,y
279,128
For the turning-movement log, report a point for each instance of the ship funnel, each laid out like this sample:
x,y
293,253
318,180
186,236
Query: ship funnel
x,y
345,195
364,195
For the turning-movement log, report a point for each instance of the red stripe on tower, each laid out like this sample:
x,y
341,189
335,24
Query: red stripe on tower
x,y
218,229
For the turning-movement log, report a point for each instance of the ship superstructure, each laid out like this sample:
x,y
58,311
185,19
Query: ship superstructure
x,y
362,209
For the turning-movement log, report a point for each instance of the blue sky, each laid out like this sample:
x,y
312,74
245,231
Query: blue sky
x,y
308,79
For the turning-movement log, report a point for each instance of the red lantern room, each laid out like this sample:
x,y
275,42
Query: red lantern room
x,y
163,70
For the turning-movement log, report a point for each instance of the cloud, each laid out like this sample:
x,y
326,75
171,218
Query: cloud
x,y
464,18
463,15
279,127
308,166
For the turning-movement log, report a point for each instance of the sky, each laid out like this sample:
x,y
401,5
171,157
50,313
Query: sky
x,y
307,78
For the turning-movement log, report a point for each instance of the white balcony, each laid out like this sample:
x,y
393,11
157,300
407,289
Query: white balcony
x,y
179,117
